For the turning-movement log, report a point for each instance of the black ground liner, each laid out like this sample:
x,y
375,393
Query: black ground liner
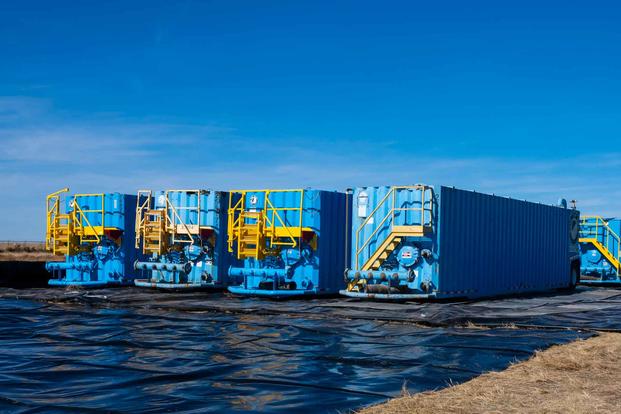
x,y
140,350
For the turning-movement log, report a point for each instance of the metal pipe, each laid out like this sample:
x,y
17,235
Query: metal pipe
x,y
380,275
80,266
169,267
265,272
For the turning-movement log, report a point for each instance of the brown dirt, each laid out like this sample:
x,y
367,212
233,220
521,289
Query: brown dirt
x,y
580,377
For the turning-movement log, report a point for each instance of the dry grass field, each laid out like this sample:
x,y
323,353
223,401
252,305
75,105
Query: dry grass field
x,y
24,251
580,377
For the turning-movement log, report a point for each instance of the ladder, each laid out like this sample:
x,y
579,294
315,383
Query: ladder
x,y
150,225
388,243
250,234
153,231
595,230
63,238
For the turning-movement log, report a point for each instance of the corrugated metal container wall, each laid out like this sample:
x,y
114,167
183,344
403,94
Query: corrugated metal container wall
x,y
218,215
131,254
492,245
333,242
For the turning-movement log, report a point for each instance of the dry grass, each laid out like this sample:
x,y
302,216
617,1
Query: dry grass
x,y
580,377
24,251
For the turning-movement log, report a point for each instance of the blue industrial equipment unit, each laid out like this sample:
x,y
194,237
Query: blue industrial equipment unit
x,y
182,232
600,244
292,242
413,242
95,234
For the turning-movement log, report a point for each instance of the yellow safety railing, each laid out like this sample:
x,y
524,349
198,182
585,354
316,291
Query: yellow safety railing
x,y
53,209
595,230
273,225
172,221
426,206
143,204
86,231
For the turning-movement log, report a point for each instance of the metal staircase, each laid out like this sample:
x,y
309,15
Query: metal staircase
x,y
388,243
595,230
261,231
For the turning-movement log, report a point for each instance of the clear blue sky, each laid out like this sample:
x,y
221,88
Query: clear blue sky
x,y
517,98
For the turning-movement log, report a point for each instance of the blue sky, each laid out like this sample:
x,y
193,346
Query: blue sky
x,y
514,98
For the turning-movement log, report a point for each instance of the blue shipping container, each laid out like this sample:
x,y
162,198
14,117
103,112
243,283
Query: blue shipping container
x,y
413,242
292,242
183,231
95,234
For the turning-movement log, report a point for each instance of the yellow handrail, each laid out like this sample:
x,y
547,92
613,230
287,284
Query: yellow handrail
x,y
140,219
176,214
82,216
283,225
51,212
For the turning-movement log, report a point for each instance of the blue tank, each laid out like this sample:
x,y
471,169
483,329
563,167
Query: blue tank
x,y
600,244
291,242
419,242
95,234
183,234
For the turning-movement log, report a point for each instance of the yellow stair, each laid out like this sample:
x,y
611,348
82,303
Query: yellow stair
x,y
250,235
153,231
382,253
63,241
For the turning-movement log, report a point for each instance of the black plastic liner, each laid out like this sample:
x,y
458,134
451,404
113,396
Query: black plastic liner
x,y
23,274
132,350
